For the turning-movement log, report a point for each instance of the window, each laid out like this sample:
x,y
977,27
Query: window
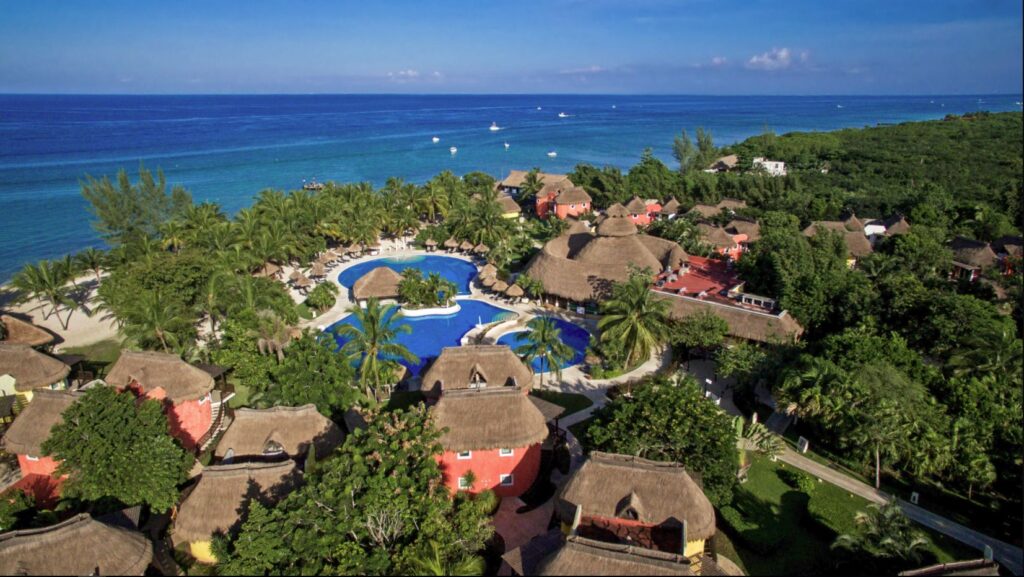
x,y
573,206
506,452
507,480
463,483
463,455
31,458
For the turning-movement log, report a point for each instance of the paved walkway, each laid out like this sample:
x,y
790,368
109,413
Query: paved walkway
x,y
516,530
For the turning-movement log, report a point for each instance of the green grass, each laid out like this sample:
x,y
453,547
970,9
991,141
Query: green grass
x,y
571,402
241,398
804,525
105,351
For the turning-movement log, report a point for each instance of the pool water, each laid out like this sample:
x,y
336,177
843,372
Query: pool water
x,y
576,337
430,334
456,270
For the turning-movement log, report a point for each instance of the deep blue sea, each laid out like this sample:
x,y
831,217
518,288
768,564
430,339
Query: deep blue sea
x,y
228,148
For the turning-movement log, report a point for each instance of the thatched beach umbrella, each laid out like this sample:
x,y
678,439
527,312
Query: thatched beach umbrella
x,y
295,275
481,248
515,291
500,286
303,282
268,270
318,270
431,244
451,243
466,246
354,248
488,281
488,270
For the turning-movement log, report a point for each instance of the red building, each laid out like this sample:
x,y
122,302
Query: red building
x,y
475,367
564,200
25,439
643,212
192,405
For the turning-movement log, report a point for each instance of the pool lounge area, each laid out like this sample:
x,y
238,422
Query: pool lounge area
x,y
576,337
459,271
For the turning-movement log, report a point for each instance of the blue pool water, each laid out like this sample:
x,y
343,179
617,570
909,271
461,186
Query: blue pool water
x,y
576,337
456,270
430,334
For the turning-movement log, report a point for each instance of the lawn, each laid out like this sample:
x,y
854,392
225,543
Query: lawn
x,y
241,398
786,531
571,402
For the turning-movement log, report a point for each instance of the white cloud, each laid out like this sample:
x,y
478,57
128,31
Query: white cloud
x,y
775,59
592,69
404,74
719,61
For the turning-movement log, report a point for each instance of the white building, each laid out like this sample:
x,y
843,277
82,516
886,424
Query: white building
x,y
772,167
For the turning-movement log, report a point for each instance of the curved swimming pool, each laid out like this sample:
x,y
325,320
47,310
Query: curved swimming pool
x,y
575,336
456,270
432,333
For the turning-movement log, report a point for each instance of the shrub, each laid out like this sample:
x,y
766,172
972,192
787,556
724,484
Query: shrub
x,y
798,480
323,296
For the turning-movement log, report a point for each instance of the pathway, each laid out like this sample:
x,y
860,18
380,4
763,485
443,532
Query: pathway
x,y
517,529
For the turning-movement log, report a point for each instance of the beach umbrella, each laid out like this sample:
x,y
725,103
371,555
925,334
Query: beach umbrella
x,y
303,282
466,246
318,270
451,243
431,242
481,248
354,248
515,291
500,286
295,275
489,270
488,281
484,274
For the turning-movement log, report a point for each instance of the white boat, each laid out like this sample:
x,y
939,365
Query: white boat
x,y
506,146
453,150
552,154
839,105
538,108
613,106
436,140
563,115
495,127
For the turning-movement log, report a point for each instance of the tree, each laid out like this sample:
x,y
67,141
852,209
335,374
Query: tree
x,y
312,372
666,422
684,151
46,281
323,296
377,507
154,319
885,533
544,342
703,330
370,343
532,184
634,319
126,212
436,564
112,445
92,259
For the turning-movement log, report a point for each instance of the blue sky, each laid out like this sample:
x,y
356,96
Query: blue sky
x,y
524,46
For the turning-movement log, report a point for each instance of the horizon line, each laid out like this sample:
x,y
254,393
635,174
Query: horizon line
x,y
545,94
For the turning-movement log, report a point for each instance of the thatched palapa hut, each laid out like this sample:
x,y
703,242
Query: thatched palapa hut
x,y
80,545
857,245
279,432
500,286
475,366
19,332
466,246
431,245
515,291
381,282
451,244
485,419
24,370
481,249
488,281
318,270
488,270
152,371
553,553
32,426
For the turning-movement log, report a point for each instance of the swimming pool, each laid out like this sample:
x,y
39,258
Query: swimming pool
x,y
430,334
576,337
456,270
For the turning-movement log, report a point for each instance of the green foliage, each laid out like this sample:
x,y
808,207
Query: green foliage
x,y
754,529
126,212
431,292
887,535
544,342
323,296
634,320
311,372
46,281
16,508
798,480
372,347
376,507
112,445
703,330
671,422
650,178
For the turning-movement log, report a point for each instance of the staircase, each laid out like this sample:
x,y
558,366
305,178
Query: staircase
x,y
221,420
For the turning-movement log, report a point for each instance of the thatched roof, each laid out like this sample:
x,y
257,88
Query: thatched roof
x,y
303,282
857,245
80,545
451,243
355,248
705,210
896,224
21,332
715,236
731,204
515,291
516,178
670,207
222,494
381,282
581,266
292,429
489,270
1009,245
743,323
726,162
508,204
295,275
969,567
973,253
33,425
466,245
318,269
463,367
747,227
430,242
500,286
580,556
268,269
179,380
616,210
636,205
30,368
572,195
487,419
488,281
481,248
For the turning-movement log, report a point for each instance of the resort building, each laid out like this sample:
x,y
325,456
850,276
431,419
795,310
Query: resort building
x,y
24,371
80,545
25,439
670,209
513,183
744,232
18,332
724,164
852,232
723,243
475,367
726,205
877,228
193,406
642,212
509,207
633,501
278,433
970,258
215,504
492,439
380,283
772,167
564,200
554,553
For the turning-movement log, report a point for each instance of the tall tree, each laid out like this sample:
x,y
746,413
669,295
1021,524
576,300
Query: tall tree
x,y
153,318
125,212
46,281
634,319
312,372
370,343
92,259
112,445
884,533
684,151
544,342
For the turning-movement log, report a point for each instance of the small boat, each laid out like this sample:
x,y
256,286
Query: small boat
x,y
435,140
552,154
312,185
506,146
931,102
613,106
495,127
538,108
453,150
839,105
563,115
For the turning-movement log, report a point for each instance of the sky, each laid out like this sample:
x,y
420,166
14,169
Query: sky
x,y
514,46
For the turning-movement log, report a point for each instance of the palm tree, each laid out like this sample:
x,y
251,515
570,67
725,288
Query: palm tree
x,y
544,342
998,353
884,532
371,343
817,390
634,319
92,259
437,564
531,184
272,334
172,235
46,281
152,317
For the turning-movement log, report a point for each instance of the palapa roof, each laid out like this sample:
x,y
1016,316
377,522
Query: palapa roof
x,y
80,545
572,195
616,210
896,224
481,248
30,368
550,410
516,178
1009,245
508,204
729,161
292,429
740,226
381,282
636,205
500,286
462,367
670,207
488,280
973,253
33,425
582,266
705,210
303,282
656,493
268,269
487,419
581,556
179,380
489,270
743,323
430,242
21,332
731,204
715,235
318,269
222,494
451,243
515,291
466,245
857,245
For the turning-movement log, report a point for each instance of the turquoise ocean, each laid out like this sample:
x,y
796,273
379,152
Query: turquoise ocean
x,y
228,148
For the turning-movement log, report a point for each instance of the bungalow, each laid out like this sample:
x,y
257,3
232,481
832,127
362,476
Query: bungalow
x,y
744,232
80,545
509,207
724,164
670,209
278,433
877,228
554,553
513,183
852,232
380,283
491,438
18,332
970,257
475,367
25,439
724,243
625,499
564,200
217,502
642,212
192,404
24,371
772,167
726,205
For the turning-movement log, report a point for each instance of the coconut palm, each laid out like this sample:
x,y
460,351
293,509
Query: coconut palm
x,y
998,353
531,184
544,342
634,319
272,334
46,281
884,532
371,344
92,259
152,318
436,564
172,235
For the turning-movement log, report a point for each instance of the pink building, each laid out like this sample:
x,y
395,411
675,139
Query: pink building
x,y
643,212
26,436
